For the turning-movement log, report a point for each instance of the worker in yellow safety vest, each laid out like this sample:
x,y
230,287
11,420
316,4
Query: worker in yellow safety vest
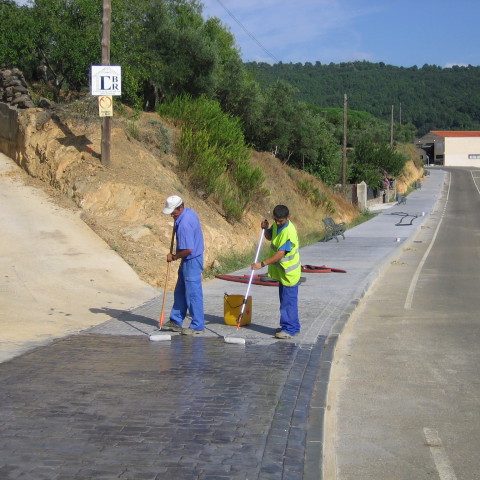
x,y
284,265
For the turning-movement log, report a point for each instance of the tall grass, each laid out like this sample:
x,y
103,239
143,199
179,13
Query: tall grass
x,y
213,154
315,196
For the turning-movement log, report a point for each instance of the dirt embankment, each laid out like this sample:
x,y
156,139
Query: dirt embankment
x,y
411,173
123,202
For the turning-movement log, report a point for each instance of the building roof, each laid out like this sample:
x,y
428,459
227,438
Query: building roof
x,y
450,133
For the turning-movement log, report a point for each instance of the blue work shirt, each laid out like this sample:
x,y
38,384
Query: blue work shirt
x,y
189,233
287,246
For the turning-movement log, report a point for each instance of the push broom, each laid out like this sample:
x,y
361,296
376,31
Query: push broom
x,y
162,314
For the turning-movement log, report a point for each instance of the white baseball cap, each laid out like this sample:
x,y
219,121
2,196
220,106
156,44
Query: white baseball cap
x,y
171,203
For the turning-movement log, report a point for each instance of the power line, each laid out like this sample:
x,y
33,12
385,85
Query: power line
x,y
247,32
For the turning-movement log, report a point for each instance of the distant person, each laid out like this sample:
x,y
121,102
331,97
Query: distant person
x,y
284,265
188,294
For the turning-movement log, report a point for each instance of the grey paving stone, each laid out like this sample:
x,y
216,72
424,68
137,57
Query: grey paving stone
x,y
144,408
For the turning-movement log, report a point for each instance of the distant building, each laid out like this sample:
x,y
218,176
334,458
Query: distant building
x,y
451,148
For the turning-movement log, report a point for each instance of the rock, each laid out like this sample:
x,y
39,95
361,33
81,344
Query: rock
x,y
44,103
22,101
14,89
216,265
137,233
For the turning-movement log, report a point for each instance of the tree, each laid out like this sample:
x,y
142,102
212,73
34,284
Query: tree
x,y
67,39
372,163
180,56
16,37
162,44
275,132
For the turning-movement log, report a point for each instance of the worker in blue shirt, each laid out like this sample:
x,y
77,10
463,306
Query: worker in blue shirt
x,y
188,294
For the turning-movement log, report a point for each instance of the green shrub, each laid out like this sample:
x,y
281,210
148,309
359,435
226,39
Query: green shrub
x,y
303,187
212,152
163,135
133,129
232,209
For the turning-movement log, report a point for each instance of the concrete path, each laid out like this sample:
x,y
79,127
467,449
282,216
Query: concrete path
x,y
109,403
54,269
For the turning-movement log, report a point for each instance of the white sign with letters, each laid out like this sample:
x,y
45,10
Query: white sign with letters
x,y
106,80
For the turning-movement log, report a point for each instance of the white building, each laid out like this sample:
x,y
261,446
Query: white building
x,y
451,148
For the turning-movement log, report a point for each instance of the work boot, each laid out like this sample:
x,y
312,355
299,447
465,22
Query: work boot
x,y
191,331
283,335
172,326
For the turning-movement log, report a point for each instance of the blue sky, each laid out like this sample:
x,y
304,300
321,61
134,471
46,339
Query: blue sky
x,y
396,32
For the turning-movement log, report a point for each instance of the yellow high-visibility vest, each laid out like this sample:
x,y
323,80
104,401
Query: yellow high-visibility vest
x,y
287,271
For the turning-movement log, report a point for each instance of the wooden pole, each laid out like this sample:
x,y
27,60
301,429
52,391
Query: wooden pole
x,y
344,153
106,121
162,313
391,128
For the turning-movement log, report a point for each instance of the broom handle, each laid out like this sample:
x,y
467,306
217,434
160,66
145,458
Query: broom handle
x,y
162,315
250,280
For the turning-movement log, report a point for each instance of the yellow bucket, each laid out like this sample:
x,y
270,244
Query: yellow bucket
x,y
232,306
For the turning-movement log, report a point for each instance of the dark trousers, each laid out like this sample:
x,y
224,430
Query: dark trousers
x,y
289,321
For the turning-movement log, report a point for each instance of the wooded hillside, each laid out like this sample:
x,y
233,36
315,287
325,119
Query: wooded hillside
x,y
429,97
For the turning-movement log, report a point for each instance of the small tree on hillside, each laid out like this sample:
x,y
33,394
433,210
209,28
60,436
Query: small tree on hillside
x,y
372,163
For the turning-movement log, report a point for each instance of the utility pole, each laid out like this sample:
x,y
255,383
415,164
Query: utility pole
x,y
391,128
344,153
400,114
106,121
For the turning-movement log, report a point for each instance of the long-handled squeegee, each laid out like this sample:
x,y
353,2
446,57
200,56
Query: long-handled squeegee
x,y
240,317
155,337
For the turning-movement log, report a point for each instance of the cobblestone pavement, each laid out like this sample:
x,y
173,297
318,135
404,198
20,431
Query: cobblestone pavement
x,y
104,407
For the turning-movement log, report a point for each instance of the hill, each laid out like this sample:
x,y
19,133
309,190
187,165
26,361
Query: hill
x,y
123,202
430,97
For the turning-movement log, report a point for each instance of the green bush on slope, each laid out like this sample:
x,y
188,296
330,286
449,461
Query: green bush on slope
x,y
213,154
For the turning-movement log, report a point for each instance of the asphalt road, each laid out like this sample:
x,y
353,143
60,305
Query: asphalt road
x,y
405,385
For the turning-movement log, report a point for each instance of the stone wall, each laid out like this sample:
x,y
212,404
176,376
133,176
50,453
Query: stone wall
x,y
14,95
8,127
14,99
14,89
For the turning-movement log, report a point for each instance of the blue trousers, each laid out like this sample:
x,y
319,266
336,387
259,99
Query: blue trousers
x,y
188,294
289,321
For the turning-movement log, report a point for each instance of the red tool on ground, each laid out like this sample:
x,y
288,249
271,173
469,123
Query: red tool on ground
x,y
270,282
256,280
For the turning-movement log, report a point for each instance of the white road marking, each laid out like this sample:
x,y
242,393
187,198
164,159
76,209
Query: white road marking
x,y
440,457
473,178
413,283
